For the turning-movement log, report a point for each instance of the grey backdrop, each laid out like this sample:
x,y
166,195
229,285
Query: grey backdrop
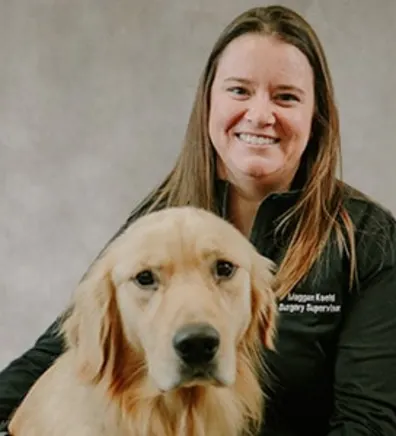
x,y
94,98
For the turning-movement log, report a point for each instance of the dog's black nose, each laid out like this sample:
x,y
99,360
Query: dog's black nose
x,y
196,344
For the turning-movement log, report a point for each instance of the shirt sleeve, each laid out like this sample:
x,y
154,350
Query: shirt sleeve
x,y
18,377
365,366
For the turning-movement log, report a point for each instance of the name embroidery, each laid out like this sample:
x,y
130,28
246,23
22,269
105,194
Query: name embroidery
x,y
312,303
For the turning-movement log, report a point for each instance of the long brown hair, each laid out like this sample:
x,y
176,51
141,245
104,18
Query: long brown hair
x,y
319,210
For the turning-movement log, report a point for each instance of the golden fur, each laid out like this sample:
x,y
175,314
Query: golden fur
x,y
120,375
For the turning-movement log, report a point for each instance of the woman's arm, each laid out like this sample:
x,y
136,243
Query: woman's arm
x,y
18,377
365,367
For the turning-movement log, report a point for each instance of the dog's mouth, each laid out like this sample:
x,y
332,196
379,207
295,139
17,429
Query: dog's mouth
x,y
187,377
207,375
199,373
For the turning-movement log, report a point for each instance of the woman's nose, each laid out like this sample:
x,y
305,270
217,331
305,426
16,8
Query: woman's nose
x,y
260,112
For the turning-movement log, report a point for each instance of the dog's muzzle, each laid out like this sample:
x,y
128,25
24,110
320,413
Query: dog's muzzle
x,y
196,345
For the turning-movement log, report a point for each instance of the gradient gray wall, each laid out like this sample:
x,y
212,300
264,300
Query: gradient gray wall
x,y
94,98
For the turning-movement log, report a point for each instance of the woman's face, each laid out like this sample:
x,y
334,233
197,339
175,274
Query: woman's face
x,y
261,109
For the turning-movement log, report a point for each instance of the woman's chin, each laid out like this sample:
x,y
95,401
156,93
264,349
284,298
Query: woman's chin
x,y
258,170
255,169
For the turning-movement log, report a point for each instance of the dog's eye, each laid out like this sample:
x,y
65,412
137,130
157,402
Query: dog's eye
x,y
146,279
224,269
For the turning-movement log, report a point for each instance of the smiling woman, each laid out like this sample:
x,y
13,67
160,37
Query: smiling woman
x,y
261,149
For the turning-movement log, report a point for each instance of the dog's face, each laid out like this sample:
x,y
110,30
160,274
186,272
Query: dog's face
x,y
189,290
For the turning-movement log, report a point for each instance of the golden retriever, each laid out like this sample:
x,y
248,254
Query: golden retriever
x,y
164,337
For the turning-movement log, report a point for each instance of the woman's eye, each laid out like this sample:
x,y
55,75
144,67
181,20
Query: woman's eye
x,y
146,279
287,97
238,90
224,269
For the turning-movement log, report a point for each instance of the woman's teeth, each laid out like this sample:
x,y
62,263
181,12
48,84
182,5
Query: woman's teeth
x,y
257,140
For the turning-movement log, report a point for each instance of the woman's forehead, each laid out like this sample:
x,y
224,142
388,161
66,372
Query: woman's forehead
x,y
255,57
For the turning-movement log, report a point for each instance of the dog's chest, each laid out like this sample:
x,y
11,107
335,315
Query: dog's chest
x,y
162,421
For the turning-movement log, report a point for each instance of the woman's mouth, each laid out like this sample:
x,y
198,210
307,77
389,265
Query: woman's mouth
x,y
257,139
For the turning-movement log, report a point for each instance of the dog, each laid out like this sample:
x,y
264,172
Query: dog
x,y
164,337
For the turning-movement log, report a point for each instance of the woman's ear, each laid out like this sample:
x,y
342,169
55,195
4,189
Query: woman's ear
x,y
87,327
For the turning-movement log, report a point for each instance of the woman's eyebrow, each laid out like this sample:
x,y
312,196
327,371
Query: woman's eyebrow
x,y
238,79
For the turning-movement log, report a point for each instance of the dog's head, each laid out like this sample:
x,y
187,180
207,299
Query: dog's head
x,y
175,297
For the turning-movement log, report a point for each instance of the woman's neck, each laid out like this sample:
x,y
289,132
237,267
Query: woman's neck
x,y
242,213
244,202
246,195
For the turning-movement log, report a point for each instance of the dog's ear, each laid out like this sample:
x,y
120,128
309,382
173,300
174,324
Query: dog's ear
x,y
87,327
264,305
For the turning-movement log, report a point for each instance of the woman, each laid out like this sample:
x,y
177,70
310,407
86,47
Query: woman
x,y
261,149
